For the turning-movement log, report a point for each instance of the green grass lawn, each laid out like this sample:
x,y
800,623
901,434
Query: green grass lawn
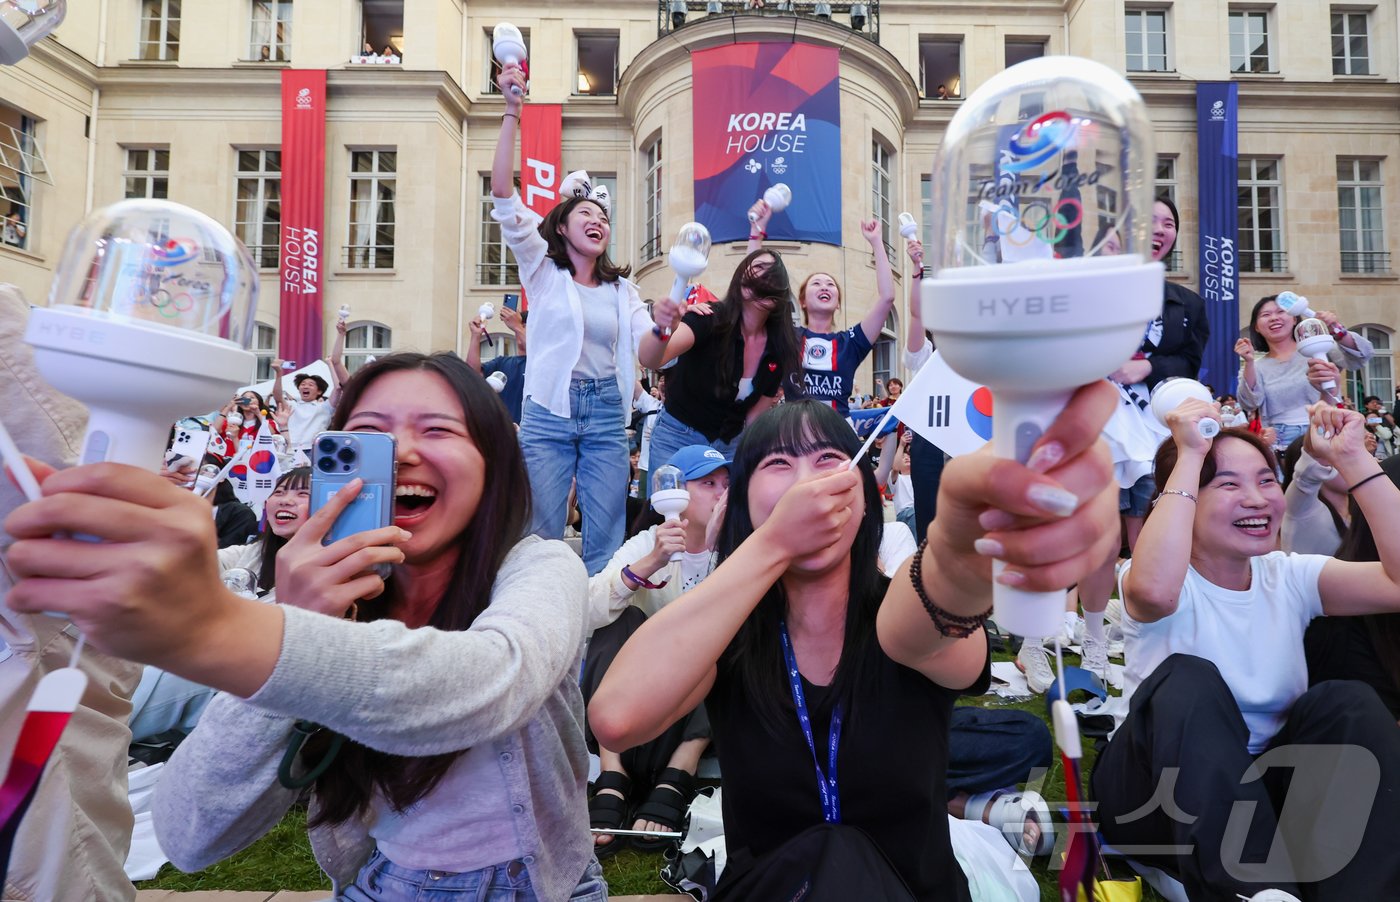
x,y
282,859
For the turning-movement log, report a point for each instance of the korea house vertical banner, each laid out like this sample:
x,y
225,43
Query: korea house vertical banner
x,y
1217,140
301,259
766,114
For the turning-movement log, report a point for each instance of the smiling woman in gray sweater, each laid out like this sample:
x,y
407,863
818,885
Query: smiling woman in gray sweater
x,y
460,764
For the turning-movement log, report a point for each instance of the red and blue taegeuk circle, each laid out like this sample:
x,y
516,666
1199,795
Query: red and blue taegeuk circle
x,y
979,413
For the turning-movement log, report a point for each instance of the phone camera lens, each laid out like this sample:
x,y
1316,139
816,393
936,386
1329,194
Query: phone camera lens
x,y
326,446
346,455
326,465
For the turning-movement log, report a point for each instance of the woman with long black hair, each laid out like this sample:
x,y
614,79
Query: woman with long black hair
x,y
731,363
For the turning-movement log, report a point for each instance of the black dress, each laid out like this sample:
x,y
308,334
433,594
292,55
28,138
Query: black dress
x,y
891,769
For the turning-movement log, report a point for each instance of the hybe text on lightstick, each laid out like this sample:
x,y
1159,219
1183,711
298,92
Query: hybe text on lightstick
x,y
1063,145
149,319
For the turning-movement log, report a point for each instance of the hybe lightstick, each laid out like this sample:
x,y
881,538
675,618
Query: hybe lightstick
x,y
1073,140
508,46
1315,340
24,23
150,316
1296,305
487,312
669,496
777,198
343,313
688,258
1169,395
908,227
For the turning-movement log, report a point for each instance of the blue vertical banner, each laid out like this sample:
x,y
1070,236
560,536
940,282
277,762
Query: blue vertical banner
x,y
767,113
1217,141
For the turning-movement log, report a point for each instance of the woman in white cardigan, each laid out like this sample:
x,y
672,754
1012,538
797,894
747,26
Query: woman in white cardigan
x,y
652,570
586,321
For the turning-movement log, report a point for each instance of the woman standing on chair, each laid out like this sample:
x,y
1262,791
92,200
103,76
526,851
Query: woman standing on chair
x,y
586,320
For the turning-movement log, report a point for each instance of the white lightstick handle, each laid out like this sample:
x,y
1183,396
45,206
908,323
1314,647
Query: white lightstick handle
x,y
675,555
514,89
1018,422
1330,384
679,289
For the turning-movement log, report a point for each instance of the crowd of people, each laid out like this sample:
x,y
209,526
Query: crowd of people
x,y
808,623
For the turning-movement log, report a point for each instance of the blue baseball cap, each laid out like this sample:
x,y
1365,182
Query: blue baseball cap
x,y
696,461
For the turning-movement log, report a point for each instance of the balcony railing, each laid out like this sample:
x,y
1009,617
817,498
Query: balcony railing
x,y
367,256
1371,262
1263,261
651,249
861,17
497,274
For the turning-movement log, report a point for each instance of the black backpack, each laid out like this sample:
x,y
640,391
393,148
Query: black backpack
x,y
824,863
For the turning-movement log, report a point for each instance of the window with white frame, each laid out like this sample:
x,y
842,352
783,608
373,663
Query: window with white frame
x,y
270,38
364,341
493,68
373,181
1250,50
495,262
651,193
147,173
882,190
21,165
1379,374
257,214
159,38
1261,216
596,53
885,351
940,67
1351,42
1361,216
1165,186
265,348
1146,33
925,209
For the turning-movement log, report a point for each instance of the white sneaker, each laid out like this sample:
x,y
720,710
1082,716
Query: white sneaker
x,y
1095,658
1113,624
1035,664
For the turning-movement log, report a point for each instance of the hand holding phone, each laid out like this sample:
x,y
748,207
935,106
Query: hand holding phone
x,y
512,301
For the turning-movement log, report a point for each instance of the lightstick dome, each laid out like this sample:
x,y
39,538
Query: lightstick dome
x,y
1047,160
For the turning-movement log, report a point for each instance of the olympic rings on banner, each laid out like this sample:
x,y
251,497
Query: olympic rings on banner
x,y
1050,226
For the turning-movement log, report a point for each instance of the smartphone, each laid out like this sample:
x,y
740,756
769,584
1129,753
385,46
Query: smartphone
x,y
512,301
337,458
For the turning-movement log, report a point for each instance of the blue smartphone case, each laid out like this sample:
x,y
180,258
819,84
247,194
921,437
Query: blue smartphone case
x,y
337,458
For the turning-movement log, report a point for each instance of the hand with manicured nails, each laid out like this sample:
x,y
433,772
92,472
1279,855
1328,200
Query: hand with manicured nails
x,y
1321,372
1052,520
1337,438
812,514
330,578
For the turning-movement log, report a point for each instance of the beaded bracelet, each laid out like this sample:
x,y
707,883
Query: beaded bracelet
x,y
1376,475
954,626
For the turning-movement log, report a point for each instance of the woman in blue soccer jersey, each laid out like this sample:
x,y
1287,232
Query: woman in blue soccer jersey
x,y
830,357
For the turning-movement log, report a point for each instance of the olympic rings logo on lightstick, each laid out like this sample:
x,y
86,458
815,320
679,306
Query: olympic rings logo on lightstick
x,y
172,306
1051,227
1041,139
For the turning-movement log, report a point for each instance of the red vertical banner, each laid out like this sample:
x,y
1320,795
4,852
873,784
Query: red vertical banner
x,y
541,131
301,261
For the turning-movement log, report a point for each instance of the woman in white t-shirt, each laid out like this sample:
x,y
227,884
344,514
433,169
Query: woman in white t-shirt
x,y
1216,678
648,572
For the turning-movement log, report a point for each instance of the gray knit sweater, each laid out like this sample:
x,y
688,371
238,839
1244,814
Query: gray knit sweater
x,y
511,680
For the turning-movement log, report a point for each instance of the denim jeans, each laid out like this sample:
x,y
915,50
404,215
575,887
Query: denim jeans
x,y
380,880
163,702
670,435
1285,434
590,446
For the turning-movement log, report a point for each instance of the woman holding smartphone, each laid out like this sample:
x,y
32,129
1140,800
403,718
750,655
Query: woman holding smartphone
x,y
586,320
463,762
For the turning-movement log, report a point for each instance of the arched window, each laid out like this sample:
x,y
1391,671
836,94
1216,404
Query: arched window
x,y
1378,378
884,354
366,340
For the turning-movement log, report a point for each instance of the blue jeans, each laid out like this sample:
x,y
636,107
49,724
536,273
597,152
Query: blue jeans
x,y
164,702
670,435
380,880
590,446
991,748
1285,434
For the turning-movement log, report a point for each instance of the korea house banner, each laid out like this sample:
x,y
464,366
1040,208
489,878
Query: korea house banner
x,y
767,113
301,262
1217,137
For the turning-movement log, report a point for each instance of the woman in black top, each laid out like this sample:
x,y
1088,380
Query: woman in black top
x,y
805,590
730,364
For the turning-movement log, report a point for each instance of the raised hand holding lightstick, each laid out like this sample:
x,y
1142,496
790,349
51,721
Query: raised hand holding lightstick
x,y
908,227
1061,315
777,198
688,258
508,46
1171,393
1315,340
669,496
487,312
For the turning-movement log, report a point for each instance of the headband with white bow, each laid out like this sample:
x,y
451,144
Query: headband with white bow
x,y
578,184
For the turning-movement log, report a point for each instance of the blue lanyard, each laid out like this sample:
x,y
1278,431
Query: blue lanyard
x,y
826,782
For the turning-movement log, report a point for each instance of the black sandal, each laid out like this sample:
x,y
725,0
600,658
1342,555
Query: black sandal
x,y
666,806
609,812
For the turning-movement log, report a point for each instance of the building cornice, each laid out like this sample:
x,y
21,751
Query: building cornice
x,y
659,58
